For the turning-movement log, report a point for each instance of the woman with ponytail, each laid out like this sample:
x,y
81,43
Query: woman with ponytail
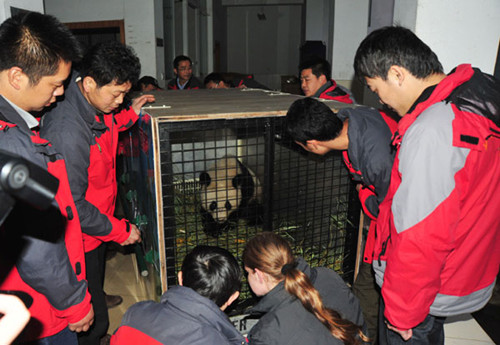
x,y
300,304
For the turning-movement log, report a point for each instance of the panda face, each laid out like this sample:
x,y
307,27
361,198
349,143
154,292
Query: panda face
x,y
220,201
226,191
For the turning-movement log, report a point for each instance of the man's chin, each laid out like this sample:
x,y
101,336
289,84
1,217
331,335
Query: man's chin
x,y
42,107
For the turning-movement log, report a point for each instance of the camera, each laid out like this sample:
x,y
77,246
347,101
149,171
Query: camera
x,y
25,181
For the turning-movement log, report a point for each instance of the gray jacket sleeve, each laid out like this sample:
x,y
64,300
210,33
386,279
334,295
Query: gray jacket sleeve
x,y
73,139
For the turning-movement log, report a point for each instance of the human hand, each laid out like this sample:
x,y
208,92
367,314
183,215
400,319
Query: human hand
x,y
138,102
15,317
405,334
135,236
84,324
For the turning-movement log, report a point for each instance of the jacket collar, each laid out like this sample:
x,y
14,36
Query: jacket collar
x,y
326,86
78,100
9,114
30,120
432,95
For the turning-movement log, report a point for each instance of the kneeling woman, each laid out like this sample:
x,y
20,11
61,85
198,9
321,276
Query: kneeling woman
x,y
292,308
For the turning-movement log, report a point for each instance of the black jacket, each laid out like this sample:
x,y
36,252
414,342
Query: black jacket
x,y
286,321
370,154
182,317
193,83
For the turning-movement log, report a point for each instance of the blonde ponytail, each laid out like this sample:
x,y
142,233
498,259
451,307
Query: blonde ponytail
x,y
272,254
299,285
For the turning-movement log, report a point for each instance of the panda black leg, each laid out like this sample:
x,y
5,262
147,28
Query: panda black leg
x,y
254,214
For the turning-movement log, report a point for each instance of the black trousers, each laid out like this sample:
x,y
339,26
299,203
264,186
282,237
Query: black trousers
x,y
368,294
429,332
95,262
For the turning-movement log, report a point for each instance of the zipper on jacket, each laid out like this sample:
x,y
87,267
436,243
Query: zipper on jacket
x,y
384,248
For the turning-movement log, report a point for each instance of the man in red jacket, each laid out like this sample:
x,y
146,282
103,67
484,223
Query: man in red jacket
x,y
363,135
437,250
316,81
41,253
84,128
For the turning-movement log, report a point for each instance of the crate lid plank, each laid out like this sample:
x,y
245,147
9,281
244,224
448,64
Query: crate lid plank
x,y
205,104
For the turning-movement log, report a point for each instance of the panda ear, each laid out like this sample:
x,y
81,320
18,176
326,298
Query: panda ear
x,y
238,180
205,179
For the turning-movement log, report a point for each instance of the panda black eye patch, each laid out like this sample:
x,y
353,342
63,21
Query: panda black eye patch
x,y
213,206
228,205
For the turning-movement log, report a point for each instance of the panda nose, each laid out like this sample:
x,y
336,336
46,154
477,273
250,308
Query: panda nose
x,y
228,205
213,206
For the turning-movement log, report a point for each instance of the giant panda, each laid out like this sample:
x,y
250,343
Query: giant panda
x,y
229,191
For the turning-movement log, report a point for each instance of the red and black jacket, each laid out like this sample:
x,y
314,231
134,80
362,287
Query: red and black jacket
x,y
89,142
437,249
41,252
335,92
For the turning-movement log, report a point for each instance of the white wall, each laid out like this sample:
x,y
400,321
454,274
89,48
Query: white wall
x,y
350,26
86,11
31,5
317,20
458,31
266,48
143,23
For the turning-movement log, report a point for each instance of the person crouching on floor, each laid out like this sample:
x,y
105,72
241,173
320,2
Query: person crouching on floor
x,y
193,311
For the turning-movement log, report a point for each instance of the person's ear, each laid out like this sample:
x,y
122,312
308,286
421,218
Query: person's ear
x,y
175,71
17,77
396,74
89,84
179,277
322,79
231,299
261,275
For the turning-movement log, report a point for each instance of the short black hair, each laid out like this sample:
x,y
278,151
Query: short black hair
x,y
216,78
394,46
110,61
148,80
318,66
213,272
180,58
36,43
310,119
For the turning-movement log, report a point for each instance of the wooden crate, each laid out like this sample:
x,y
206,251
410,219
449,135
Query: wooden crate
x,y
308,199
